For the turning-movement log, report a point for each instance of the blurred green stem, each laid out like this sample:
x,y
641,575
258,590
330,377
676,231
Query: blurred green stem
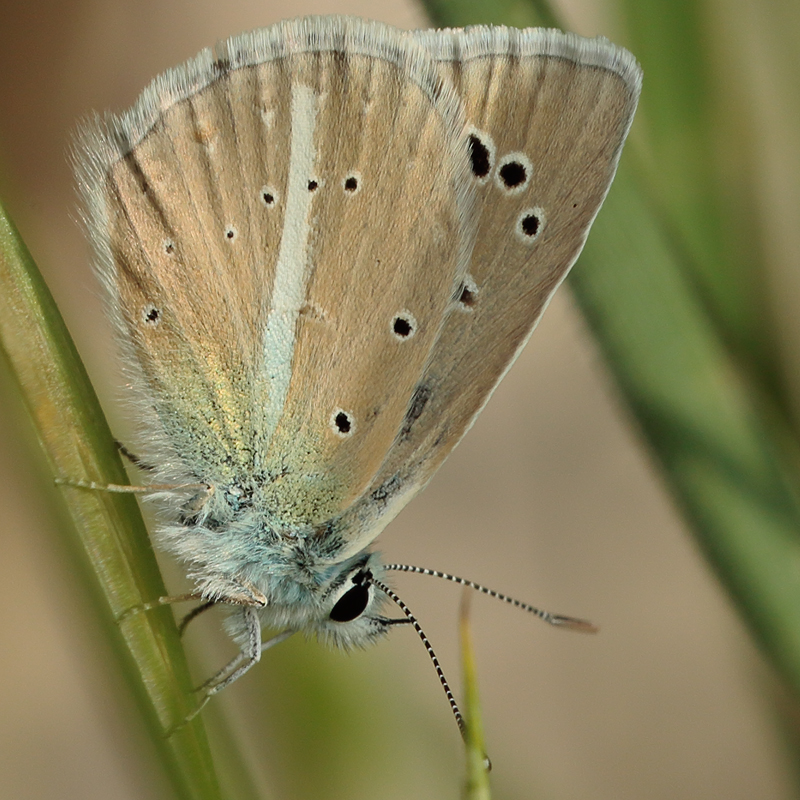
x,y
478,765
106,528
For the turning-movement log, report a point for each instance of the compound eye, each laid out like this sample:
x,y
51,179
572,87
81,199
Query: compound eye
x,y
351,604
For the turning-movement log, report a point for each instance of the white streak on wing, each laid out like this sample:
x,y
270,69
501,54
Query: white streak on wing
x,y
289,288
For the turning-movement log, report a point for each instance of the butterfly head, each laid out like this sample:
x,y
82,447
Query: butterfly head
x,y
352,605
339,604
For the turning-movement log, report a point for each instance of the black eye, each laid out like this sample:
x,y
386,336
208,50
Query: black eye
x,y
351,604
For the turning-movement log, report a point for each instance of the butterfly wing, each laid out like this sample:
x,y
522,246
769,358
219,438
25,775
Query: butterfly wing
x,y
281,225
285,227
547,116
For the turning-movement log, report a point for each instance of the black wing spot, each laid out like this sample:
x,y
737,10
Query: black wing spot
x,y
342,423
467,294
222,66
480,156
404,326
352,183
514,173
268,196
530,224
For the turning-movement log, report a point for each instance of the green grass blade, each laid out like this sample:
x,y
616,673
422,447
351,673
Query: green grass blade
x,y
476,786
108,528
729,463
698,155
519,13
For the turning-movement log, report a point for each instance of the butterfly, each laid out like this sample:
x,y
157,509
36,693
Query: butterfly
x,y
324,243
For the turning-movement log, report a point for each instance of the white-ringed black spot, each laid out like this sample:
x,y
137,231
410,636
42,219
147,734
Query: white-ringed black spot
x,y
467,294
513,173
352,183
404,325
313,185
529,225
342,423
231,233
169,247
481,154
151,316
269,196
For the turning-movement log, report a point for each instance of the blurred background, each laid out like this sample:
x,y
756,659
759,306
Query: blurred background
x,y
551,498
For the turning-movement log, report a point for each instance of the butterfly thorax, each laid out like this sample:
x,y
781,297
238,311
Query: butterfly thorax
x,y
239,553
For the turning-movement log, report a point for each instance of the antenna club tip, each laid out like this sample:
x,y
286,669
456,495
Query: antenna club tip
x,y
580,625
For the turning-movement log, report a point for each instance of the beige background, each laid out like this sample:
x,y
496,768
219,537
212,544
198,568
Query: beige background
x,y
551,498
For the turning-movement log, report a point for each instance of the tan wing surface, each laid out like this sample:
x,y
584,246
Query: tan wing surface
x,y
263,217
548,115
383,261
178,206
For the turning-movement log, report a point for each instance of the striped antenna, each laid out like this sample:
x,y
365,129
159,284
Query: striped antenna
x,y
558,620
436,665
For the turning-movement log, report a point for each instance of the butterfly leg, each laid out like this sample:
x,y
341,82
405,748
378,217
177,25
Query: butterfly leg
x,y
195,612
237,667
249,655
133,458
126,489
116,487
165,601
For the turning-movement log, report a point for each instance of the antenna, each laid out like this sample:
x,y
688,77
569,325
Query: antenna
x,y
558,620
436,665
